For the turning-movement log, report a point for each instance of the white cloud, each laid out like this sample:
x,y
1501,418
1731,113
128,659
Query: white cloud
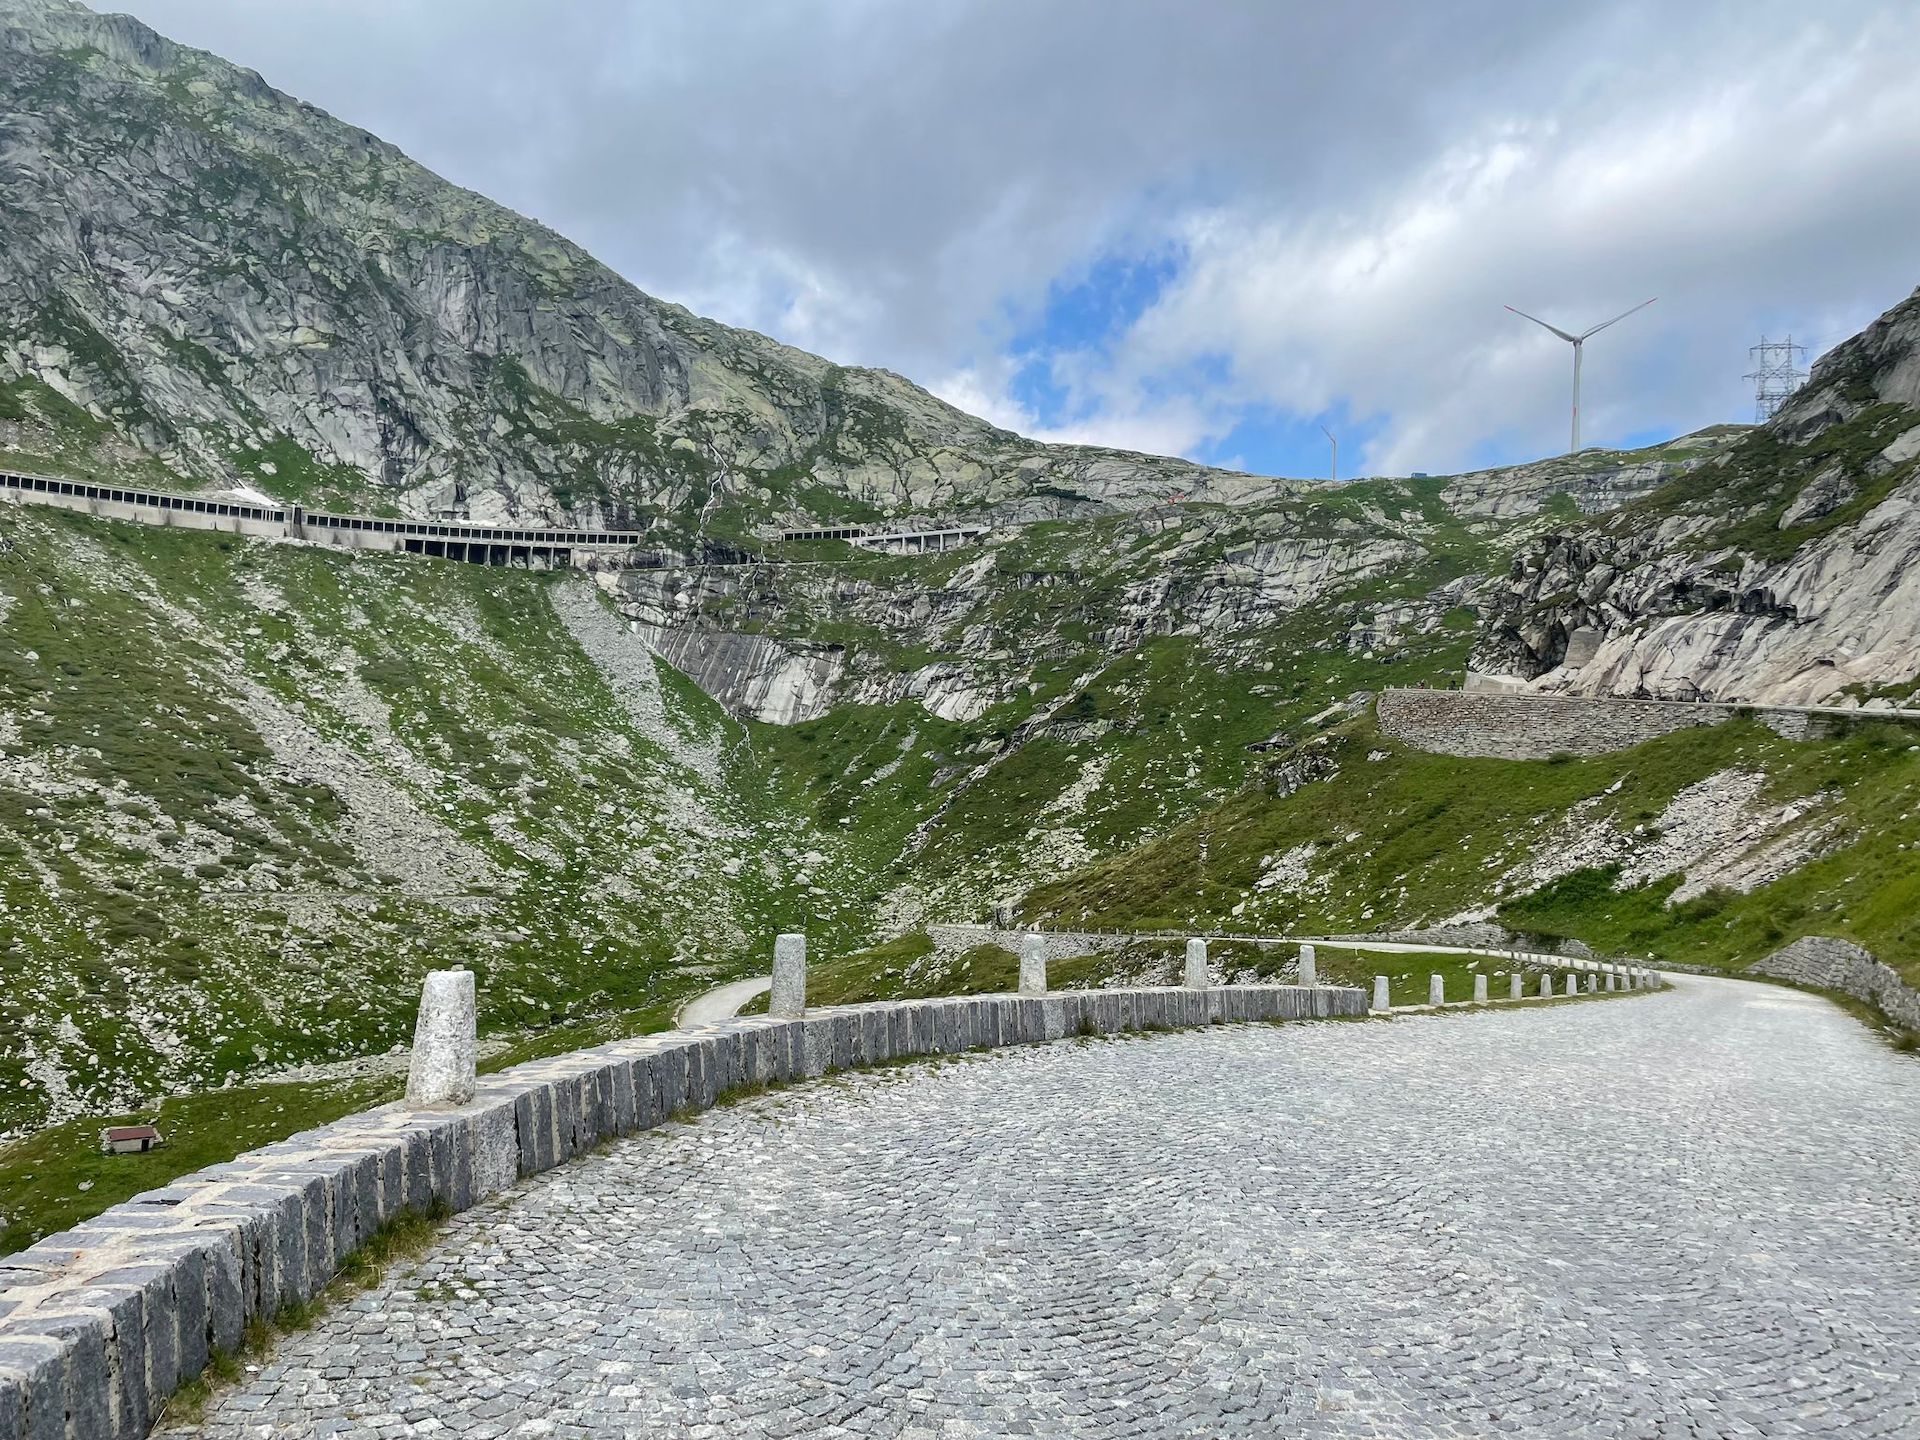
x,y
1355,188
1735,199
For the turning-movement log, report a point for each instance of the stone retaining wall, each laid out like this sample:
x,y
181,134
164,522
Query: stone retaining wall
x,y
1841,965
1490,725
1479,936
1061,944
101,1323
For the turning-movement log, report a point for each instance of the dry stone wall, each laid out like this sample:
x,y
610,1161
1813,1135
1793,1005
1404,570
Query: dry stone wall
x,y
1060,944
1841,965
101,1323
1489,725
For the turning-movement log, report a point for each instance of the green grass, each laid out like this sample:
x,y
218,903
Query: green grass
x,y
1757,478
1408,973
1414,837
906,968
58,1176
41,1176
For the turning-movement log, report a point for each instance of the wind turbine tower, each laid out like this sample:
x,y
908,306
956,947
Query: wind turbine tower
x,y
1336,451
1578,342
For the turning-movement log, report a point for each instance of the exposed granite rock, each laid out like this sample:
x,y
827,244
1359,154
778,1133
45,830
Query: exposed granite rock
x,y
245,287
1786,571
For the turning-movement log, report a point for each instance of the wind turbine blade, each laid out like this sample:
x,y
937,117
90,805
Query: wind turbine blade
x,y
1570,339
1617,319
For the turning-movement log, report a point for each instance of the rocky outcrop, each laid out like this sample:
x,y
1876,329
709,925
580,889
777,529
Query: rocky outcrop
x,y
752,675
786,642
1652,618
1785,571
1593,481
1879,366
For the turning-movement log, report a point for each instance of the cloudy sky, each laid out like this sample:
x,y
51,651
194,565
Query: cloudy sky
x,y
1198,227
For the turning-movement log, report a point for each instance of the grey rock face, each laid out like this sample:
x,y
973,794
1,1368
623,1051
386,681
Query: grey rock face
x,y
441,1071
789,996
1593,482
751,635
1823,495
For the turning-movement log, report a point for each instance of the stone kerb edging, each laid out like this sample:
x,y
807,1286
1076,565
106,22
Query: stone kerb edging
x,y
101,1323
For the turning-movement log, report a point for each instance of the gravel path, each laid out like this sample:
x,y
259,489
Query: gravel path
x,y
1694,1213
723,1002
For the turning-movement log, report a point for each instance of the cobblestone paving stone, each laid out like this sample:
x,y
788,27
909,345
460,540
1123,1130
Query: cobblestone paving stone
x,y
1687,1214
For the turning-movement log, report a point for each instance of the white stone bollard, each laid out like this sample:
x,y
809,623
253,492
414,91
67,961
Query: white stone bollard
x,y
1546,987
1516,986
789,998
1033,965
1573,984
1196,964
1479,988
1593,983
1381,1000
1309,967
1613,981
441,1070
1436,990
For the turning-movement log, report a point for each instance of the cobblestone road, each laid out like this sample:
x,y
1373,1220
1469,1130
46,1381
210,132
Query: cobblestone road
x,y
1694,1213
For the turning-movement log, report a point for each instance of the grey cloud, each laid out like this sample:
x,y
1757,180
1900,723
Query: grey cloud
x,y
899,184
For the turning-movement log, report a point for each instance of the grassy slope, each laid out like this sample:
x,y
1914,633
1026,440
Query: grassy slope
x,y
601,911
1108,745
186,903
1412,838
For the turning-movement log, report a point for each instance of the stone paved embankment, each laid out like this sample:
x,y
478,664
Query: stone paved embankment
x,y
1690,1213
1487,724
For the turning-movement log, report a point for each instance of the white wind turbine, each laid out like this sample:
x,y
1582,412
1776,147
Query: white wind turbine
x,y
1577,341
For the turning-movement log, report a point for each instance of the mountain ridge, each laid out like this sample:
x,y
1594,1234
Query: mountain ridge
x,y
491,364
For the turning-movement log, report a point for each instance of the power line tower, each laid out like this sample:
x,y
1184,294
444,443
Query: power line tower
x,y
1776,375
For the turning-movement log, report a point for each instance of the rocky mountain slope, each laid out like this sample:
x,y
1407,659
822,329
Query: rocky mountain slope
x,y
206,274
1786,570
205,279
